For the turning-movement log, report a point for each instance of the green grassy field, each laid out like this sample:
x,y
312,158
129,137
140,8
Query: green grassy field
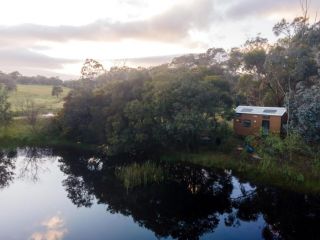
x,y
40,95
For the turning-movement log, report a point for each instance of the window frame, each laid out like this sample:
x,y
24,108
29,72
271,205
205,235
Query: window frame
x,y
247,123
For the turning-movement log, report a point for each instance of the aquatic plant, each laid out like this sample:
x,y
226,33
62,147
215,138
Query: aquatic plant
x,y
136,174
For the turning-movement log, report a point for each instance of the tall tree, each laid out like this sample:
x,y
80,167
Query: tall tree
x,y
91,69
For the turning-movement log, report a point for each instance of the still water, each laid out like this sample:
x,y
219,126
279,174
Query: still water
x,y
62,194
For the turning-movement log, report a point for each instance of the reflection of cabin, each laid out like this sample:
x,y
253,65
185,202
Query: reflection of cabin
x,y
249,120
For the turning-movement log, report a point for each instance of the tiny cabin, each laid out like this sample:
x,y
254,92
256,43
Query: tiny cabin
x,y
250,120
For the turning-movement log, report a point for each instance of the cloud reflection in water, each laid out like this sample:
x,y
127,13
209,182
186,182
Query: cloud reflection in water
x,y
54,229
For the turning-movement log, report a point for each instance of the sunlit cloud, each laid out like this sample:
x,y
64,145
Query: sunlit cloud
x,y
172,25
54,229
280,9
41,37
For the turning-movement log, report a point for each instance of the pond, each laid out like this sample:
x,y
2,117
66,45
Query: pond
x,y
65,194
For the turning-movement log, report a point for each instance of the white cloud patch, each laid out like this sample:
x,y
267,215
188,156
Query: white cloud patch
x,y
172,25
255,8
28,58
28,45
54,229
37,39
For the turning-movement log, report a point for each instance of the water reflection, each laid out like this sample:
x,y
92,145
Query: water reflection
x,y
7,167
53,229
29,168
33,162
193,203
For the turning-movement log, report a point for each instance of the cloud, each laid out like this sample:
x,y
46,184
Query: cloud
x,y
24,47
54,229
17,57
145,61
254,8
172,25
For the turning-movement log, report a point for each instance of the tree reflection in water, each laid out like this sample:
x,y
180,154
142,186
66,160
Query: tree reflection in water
x,y
7,167
191,203
32,164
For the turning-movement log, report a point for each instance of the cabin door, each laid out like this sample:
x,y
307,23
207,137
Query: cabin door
x,y
265,127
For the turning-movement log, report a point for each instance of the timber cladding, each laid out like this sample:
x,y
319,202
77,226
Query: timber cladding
x,y
251,124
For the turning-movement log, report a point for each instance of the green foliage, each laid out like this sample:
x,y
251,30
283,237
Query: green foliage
x,y
248,90
147,110
179,106
135,175
56,91
8,81
20,133
316,165
5,112
266,164
291,175
91,69
254,59
278,149
305,114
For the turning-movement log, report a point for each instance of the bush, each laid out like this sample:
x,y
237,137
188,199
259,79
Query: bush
x,y
305,114
274,147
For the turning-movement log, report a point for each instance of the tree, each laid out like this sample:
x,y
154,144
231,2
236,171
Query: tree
x,y
137,111
8,81
56,91
254,57
31,112
305,117
91,69
5,113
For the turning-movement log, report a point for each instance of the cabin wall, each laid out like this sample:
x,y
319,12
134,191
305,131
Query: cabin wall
x,y
275,124
241,124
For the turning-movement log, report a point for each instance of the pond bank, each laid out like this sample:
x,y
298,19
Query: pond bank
x,y
20,134
286,176
300,175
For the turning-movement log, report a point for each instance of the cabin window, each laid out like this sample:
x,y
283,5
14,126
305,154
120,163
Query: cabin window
x,y
246,123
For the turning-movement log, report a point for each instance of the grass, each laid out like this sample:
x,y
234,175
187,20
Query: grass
x,y
40,94
20,134
266,171
140,174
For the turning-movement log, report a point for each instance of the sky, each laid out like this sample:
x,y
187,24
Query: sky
x,y
54,37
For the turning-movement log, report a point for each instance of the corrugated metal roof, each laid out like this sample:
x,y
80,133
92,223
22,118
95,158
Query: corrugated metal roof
x,y
270,111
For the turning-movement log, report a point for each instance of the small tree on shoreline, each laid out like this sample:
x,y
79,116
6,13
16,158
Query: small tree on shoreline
x,y
5,112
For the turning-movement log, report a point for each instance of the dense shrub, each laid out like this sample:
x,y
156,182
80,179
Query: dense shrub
x,y
144,112
305,114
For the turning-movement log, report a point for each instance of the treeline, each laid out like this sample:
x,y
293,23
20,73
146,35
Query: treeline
x,y
181,105
10,80
148,110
